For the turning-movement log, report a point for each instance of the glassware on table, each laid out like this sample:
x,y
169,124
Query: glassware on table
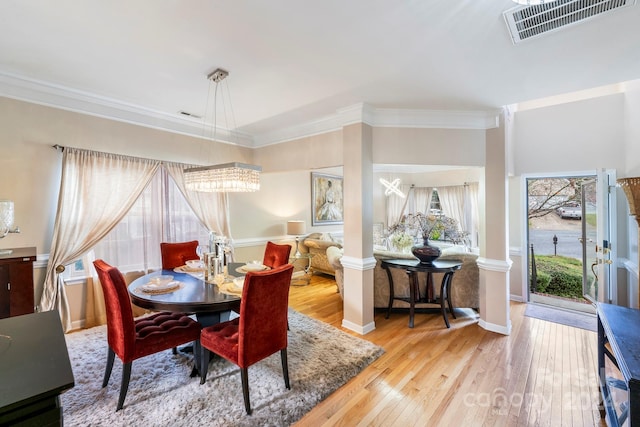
x,y
200,252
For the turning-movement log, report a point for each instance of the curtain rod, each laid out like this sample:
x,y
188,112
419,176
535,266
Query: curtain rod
x,y
185,165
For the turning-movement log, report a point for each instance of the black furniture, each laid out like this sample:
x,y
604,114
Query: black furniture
x,y
16,282
413,267
619,342
34,369
196,296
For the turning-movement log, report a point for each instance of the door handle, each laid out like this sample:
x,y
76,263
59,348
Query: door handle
x,y
595,274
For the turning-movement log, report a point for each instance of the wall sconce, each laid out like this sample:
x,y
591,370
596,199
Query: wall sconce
x,y
296,228
6,222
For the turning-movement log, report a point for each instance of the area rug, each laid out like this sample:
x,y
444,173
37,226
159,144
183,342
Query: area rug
x,y
564,317
161,393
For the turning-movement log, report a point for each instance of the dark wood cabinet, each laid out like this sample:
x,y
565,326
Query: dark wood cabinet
x,y
16,282
619,363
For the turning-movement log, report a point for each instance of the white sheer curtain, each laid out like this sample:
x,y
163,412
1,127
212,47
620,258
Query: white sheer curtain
x,y
422,199
396,205
472,213
461,203
161,214
96,191
452,202
210,208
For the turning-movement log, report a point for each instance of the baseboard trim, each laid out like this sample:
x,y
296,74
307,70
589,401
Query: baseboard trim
x,y
516,298
500,329
362,330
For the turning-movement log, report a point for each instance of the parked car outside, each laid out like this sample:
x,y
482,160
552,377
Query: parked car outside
x,y
570,211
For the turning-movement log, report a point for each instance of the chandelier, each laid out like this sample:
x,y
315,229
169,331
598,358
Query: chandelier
x,y
227,177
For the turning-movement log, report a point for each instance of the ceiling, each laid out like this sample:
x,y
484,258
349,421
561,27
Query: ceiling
x,y
295,63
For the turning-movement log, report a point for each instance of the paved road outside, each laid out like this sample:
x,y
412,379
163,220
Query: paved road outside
x,y
568,231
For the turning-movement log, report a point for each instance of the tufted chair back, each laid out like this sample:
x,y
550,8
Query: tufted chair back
x,y
121,333
130,338
276,255
260,331
177,254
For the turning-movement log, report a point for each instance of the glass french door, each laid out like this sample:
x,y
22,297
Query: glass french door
x,y
598,284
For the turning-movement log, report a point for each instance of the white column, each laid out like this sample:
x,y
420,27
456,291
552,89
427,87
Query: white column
x,y
495,264
358,260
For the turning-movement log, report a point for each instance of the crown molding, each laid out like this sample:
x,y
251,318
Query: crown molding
x,y
64,98
383,117
56,96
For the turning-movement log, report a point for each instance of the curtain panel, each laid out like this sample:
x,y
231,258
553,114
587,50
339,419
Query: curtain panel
x,y
97,190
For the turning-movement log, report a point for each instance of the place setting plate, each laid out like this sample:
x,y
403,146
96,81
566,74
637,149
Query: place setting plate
x,y
251,266
192,266
233,287
160,285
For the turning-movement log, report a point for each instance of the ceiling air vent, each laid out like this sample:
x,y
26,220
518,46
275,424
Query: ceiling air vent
x,y
531,21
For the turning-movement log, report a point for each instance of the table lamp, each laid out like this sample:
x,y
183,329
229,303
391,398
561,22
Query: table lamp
x,y
296,228
6,222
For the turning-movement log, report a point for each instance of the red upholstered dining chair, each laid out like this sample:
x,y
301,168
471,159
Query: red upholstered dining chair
x,y
260,331
131,338
177,254
276,255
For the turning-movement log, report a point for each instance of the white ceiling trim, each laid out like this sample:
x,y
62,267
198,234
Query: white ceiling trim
x,y
384,117
43,93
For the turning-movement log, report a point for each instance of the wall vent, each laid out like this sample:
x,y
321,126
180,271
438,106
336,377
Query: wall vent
x,y
531,21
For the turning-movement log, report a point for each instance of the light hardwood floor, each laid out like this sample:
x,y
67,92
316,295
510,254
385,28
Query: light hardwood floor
x,y
543,374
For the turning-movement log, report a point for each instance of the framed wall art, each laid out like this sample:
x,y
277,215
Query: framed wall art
x,y
326,199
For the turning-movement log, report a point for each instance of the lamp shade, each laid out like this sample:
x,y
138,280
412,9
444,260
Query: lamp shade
x,y
6,217
295,228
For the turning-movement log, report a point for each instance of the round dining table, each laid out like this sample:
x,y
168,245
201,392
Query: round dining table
x,y
195,295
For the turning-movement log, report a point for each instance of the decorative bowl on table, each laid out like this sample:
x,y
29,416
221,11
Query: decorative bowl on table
x,y
161,280
254,266
195,264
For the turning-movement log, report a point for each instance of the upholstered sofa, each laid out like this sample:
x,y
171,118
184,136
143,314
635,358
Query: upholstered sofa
x,y
464,287
317,244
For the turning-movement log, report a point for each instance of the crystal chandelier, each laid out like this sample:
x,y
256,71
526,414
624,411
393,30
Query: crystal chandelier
x,y
227,177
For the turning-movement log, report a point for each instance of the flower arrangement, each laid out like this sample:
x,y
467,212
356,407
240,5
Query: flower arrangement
x,y
401,240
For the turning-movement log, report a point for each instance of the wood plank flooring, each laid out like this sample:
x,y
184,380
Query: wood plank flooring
x,y
543,374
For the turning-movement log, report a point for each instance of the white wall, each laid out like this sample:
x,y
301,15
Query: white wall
x,y
579,136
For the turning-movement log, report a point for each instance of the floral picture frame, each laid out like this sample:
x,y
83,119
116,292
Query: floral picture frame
x,y
327,199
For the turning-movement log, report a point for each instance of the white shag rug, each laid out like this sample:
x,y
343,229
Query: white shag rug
x,y
161,393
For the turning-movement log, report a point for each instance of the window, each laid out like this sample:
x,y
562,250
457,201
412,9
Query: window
x,y
435,207
161,214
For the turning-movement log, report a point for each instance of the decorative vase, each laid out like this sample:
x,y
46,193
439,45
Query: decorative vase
x,y
426,253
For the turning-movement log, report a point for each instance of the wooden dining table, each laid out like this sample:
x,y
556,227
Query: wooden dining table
x,y
195,296
209,304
